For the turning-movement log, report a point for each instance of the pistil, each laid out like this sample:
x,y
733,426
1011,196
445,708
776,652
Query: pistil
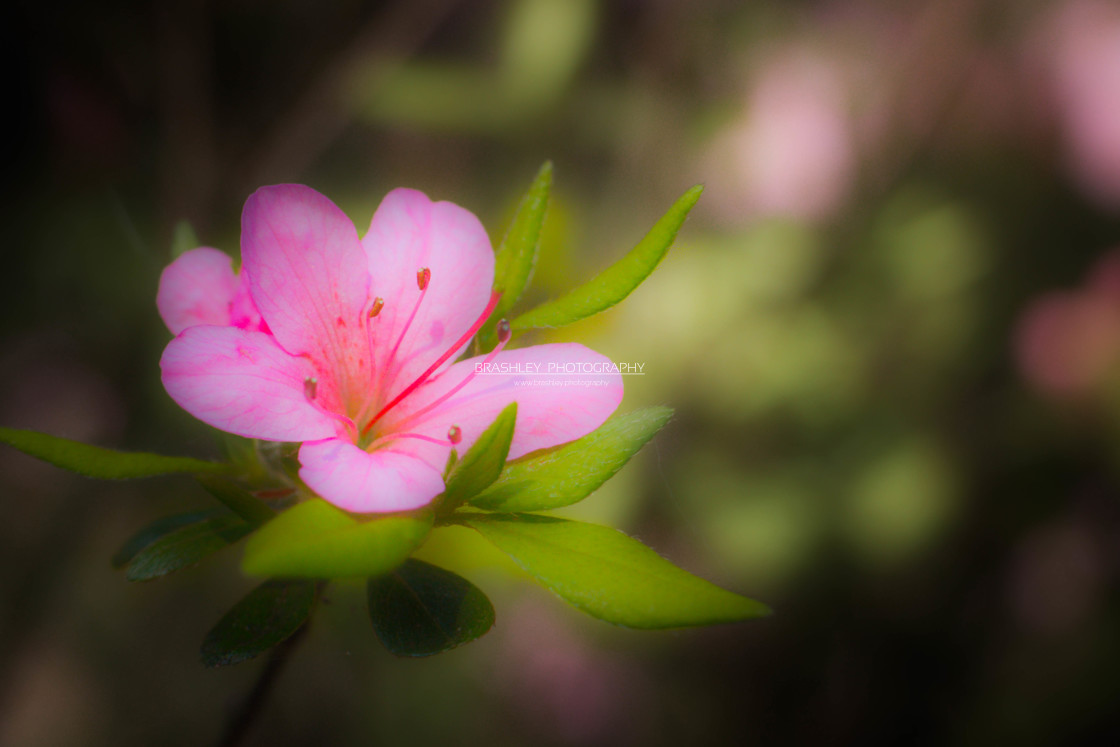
x,y
504,333
494,297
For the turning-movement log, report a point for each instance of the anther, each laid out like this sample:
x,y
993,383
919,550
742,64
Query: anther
x,y
504,332
378,304
454,434
423,277
310,387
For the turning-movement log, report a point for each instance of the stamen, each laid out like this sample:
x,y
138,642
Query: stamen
x,y
423,276
374,310
454,434
494,297
503,337
311,391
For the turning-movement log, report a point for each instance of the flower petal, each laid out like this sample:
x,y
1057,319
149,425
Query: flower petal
x,y
308,276
408,232
243,382
197,288
243,312
562,393
379,481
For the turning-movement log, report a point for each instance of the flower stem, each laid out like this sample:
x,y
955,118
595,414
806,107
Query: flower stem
x,y
247,713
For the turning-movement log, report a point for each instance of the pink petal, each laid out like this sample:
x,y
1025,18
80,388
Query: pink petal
x,y
379,481
243,312
197,288
408,232
552,407
309,278
243,382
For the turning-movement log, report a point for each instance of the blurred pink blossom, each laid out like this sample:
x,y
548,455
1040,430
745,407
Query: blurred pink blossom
x,y
1068,342
1057,577
559,683
1085,38
790,153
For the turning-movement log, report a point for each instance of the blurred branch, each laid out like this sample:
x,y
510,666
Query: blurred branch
x,y
320,115
191,167
942,56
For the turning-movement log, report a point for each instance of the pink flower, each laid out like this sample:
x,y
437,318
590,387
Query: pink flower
x,y
792,151
1085,35
1068,342
347,345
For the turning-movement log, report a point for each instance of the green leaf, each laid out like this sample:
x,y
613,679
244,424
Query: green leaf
x,y
609,575
617,281
483,461
237,499
314,539
567,474
154,531
420,609
185,546
516,256
183,239
105,464
268,615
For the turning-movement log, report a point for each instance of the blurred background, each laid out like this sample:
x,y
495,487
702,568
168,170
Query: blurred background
x,y
891,331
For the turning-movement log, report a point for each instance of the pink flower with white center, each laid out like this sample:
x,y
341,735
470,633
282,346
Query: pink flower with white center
x,y
347,345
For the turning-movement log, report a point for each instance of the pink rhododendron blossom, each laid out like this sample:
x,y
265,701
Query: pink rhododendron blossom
x,y
347,345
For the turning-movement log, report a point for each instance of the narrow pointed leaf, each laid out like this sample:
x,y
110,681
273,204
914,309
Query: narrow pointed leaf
x,y
105,464
567,474
183,239
268,615
617,281
185,546
237,499
420,609
609,575
516,256
316,540
482,463
155,531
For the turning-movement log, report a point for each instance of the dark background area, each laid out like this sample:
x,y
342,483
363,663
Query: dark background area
x,y
890,330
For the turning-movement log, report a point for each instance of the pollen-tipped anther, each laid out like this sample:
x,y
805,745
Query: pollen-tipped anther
x,y
423,277
454,434
378,305
504,331
310,387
